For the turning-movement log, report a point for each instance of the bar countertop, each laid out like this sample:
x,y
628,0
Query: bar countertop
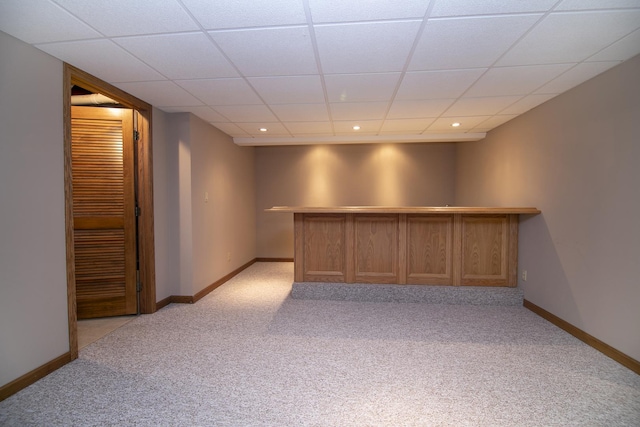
x,y
408,210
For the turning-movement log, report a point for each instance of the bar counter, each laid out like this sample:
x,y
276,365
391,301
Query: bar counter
x,y
448,245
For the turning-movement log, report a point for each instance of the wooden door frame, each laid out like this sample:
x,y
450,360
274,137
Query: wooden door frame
x,y
146,251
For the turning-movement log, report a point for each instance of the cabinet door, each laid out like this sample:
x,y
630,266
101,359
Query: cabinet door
x,y
324,252
376,248
488,251
430,250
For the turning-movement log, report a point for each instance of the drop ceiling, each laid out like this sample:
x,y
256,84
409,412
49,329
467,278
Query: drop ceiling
x,y
310,70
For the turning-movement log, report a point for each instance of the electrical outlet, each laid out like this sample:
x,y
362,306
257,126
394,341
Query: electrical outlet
x,y
524,275
228,256
206,197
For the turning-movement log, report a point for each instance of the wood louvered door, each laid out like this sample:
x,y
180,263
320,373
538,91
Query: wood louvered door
x,y
103,177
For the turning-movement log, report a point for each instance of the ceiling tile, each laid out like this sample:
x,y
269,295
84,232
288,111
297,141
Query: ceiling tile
x,y
479,106
205,113
131,17
400,125
437,84
418,109
466,124
365,47
247,113
480,62
306,128
367,127
103,59
596,4
169,53
301,112
621,50
365,10
468,42
269,52
289,89
571,37
575,76
526,103
506,81
221,91
358,110
489,7
246,13
230,129
273,129
47,22
493,122
361,87
160,94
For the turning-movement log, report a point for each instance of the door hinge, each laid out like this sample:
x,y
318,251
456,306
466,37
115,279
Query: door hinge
x,y
137,211
136,135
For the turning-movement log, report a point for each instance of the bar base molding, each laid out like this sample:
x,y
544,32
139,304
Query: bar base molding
x,y
425,294
590,340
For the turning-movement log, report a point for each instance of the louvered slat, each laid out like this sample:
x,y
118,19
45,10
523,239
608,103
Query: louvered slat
x,y
98,168
100,263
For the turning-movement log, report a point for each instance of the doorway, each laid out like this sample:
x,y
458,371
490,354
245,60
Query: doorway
x,y
143,186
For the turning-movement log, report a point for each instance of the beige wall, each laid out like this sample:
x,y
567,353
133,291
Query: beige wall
x,y
33,283
575,158
339,175
225,225
198,235
166,218
178,170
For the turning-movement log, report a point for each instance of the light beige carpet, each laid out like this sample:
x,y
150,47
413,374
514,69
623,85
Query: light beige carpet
x,y
249,355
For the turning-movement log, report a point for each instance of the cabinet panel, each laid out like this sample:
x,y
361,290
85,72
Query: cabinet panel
x,y
430,249
324,248
376,248
485,250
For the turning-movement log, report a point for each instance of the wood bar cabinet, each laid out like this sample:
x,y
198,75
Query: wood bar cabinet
x,y
450,246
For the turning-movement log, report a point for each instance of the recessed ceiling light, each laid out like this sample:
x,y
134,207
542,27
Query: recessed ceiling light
x,y
356,127
455,125
263,129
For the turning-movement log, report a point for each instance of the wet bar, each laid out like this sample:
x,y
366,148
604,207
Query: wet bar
x,y
448,246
